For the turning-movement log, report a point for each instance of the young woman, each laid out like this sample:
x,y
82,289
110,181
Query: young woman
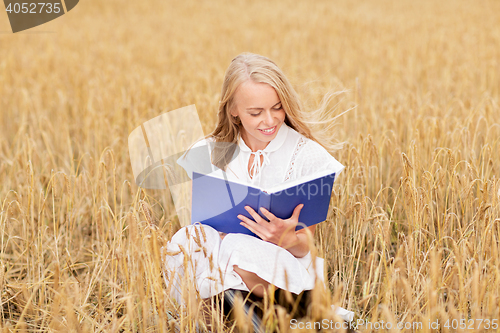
x,y
261,116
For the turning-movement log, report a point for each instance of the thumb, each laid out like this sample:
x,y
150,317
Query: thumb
x,y
296,211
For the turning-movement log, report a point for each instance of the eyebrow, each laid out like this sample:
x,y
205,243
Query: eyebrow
x,y
249,109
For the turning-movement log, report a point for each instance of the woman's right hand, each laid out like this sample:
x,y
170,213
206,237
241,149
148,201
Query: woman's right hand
x,y
278,231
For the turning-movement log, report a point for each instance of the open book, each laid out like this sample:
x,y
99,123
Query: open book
x,y
217,201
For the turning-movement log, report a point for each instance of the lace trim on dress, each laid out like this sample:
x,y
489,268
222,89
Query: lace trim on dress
x,y
302,141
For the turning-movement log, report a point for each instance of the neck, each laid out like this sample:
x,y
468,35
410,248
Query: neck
x,y
252,145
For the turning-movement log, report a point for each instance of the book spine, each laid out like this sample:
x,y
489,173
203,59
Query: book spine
x,y
264,201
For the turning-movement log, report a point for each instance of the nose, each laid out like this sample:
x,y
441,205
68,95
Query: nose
x,y
268,120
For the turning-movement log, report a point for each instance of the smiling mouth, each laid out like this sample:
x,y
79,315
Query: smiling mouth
x,y
269,130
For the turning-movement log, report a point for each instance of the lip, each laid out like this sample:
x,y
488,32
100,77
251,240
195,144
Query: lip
x,y
269,133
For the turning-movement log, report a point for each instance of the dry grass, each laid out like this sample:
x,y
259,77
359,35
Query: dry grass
x,y
414,230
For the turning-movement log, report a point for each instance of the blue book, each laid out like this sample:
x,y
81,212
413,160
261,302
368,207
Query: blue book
x,y
217,201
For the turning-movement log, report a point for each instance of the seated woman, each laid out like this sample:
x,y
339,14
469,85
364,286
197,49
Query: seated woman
x,y
260,113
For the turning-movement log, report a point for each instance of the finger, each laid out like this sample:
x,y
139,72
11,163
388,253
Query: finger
x,y
250,223
253,228
296,211
246,219
270,216
257,218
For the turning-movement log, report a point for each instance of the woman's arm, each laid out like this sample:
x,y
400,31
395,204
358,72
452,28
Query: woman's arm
x,y
299,246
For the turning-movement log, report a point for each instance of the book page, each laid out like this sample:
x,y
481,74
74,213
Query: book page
x,y
290,184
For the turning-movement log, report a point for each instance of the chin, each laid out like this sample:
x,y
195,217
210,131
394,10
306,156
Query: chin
x,y
266,138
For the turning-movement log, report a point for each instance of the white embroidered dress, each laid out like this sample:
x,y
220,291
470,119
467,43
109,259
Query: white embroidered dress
x,y
289,156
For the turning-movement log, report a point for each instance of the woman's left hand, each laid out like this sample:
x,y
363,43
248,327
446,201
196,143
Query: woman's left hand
x,y
277,231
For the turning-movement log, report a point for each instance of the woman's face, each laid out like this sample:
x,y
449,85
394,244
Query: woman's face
x,y
260,111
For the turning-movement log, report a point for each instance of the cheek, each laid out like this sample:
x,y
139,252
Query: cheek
x,y
249,123
282,115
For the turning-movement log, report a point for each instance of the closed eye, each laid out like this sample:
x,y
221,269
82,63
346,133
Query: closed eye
x,y
255,114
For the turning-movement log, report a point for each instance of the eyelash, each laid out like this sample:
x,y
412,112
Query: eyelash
x,y
275,109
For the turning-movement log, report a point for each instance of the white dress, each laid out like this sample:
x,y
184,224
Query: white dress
x,y
210,259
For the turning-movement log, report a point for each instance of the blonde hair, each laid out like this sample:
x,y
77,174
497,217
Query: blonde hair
x,y
259,69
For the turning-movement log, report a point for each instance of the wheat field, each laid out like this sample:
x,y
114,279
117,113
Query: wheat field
x,y
414,228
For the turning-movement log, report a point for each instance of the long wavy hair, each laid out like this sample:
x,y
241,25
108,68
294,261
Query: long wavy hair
x,y
259,69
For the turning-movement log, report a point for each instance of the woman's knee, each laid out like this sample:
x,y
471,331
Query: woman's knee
x,y
254,283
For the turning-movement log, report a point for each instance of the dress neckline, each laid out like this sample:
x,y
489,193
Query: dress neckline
x,y
257,164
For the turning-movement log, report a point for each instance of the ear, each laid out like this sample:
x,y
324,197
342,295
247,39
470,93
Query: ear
x,y
233,111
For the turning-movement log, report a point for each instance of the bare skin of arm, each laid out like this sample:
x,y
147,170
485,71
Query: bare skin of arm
x,y
300,246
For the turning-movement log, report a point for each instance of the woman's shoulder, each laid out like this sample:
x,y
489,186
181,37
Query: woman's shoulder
x,y
202,142
198,146
197,157
312,157
304,144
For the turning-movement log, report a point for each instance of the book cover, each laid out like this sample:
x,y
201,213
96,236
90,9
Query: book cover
x,y
217,202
